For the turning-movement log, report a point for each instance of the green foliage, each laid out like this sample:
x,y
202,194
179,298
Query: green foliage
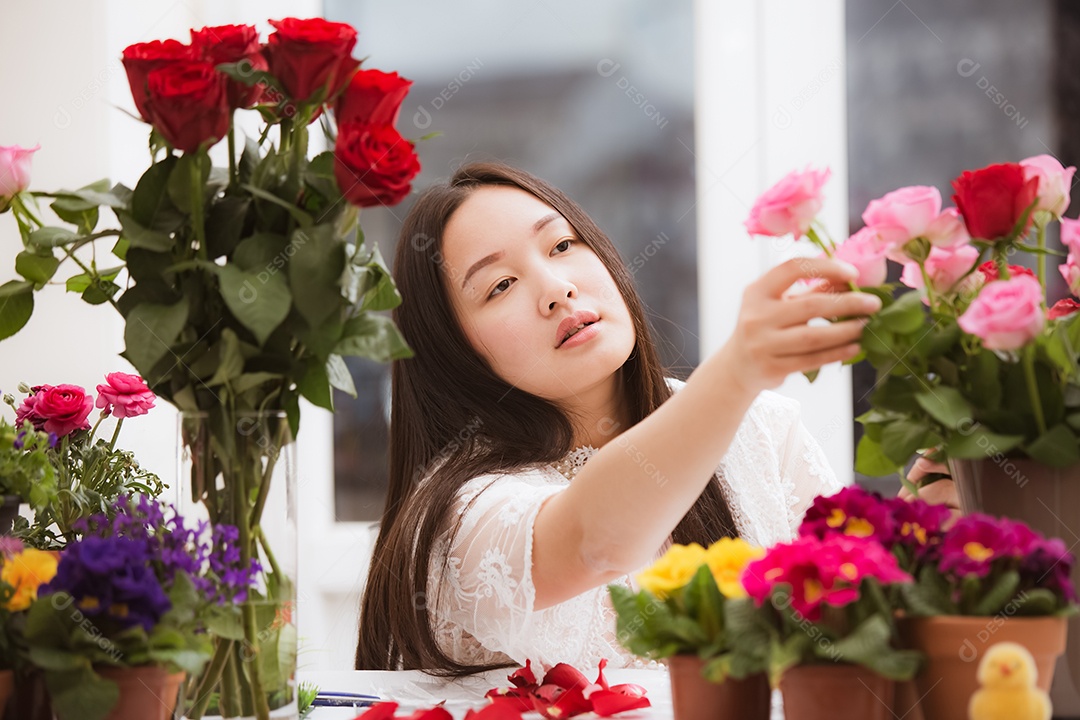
x,y
26,468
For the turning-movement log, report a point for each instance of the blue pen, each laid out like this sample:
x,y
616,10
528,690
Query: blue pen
x,y
344,699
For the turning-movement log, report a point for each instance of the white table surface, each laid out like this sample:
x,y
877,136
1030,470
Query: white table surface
x,y
414,690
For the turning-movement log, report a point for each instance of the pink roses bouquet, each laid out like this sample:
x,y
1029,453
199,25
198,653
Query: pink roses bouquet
x,y
972,359
86,473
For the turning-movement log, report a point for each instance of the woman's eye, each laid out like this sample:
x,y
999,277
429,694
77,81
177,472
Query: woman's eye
x,y
502,287
564,245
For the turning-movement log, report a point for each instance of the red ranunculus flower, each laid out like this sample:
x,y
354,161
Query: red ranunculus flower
x,y
125,395
993,200
60,409
1063,308
373,164
233,44
306,55
141,59
188,104
372,97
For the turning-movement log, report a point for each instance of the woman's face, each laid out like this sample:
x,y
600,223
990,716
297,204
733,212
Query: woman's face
x,y
519,279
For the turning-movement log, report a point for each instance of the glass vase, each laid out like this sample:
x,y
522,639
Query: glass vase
x,y
239,469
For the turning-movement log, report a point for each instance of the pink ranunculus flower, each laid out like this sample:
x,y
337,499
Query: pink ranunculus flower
x,y
945,267
903,215
14,171
125,395
947,230
1007,313
789,206
864,252
1055,183
60,409
1070,270
1070,234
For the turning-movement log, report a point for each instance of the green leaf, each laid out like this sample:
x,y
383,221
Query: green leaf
x,y
338,374
315,385
224,225
315,271
374,337
259,301
1057,447
947,406
262,252
50,237
179,184
16,306
100,291
141,237
225,621
150,331
376,287
35,267
993,599
305,221
983,379
870,460
150,204
977,443
904,316
900,439
230,363
249,160
81,694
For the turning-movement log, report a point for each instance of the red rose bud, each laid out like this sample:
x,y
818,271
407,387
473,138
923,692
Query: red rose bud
x,y
307,55
989,269
373,165
993,200
188,104
141,59
1063,308
233,44
373,97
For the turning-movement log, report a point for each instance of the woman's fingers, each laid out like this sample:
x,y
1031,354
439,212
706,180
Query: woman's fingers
x,y
924,467
774,283
803,339
798,310
941,492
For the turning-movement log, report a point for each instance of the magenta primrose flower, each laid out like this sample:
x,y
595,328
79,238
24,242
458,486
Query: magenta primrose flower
x,y
973,544
852,511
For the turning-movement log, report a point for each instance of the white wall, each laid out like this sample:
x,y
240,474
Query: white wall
x,y
770,99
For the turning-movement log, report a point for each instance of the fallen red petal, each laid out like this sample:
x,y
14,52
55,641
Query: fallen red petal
x,y
565,676
523,677
549,693
600,679
379,711
629,689
569,704
520,698
435,713
608,702
498,710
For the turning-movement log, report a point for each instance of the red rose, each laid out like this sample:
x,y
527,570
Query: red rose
x,y
372,97
373,165
233,44
307,55
1063,308
143,58
188,104
62,409
993,200
989,269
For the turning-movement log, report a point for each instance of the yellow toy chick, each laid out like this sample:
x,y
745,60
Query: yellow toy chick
x,y
1007,675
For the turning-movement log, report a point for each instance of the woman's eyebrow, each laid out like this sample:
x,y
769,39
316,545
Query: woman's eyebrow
x,y
481,264
539,224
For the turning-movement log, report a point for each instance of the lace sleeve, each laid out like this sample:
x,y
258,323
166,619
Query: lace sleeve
x,y
807,470
485,566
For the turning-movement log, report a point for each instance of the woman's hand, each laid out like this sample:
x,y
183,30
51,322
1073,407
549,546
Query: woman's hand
x,y
772,338
939,492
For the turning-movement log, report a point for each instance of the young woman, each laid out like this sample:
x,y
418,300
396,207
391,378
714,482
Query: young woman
x,y
533,356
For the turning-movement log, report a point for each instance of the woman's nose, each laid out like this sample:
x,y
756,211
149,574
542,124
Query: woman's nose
x,y
556,291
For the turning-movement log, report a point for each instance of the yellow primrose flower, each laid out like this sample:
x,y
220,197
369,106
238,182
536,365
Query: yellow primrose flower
x,y
26,572
727,558
673,570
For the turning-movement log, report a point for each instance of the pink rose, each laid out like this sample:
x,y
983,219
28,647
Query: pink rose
x,y
903,215
1006,314
864,252
62,409
789,206
125,395
1070,270
947,230
14,171
945,267
1055,183
1070,234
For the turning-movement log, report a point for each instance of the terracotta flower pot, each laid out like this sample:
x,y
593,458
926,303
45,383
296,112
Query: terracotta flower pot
x,y
31,697
7,689
954,645
837,692
1047,499
9,510
146,693
695,698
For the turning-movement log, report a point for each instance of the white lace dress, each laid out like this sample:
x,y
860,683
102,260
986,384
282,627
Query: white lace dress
x,y
481,594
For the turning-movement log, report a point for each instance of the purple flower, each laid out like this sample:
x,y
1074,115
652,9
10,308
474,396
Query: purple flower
x,y
852,511
1048,564
9,547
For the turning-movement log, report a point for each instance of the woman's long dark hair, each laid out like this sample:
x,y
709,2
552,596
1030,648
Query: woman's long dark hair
x,y
452,414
